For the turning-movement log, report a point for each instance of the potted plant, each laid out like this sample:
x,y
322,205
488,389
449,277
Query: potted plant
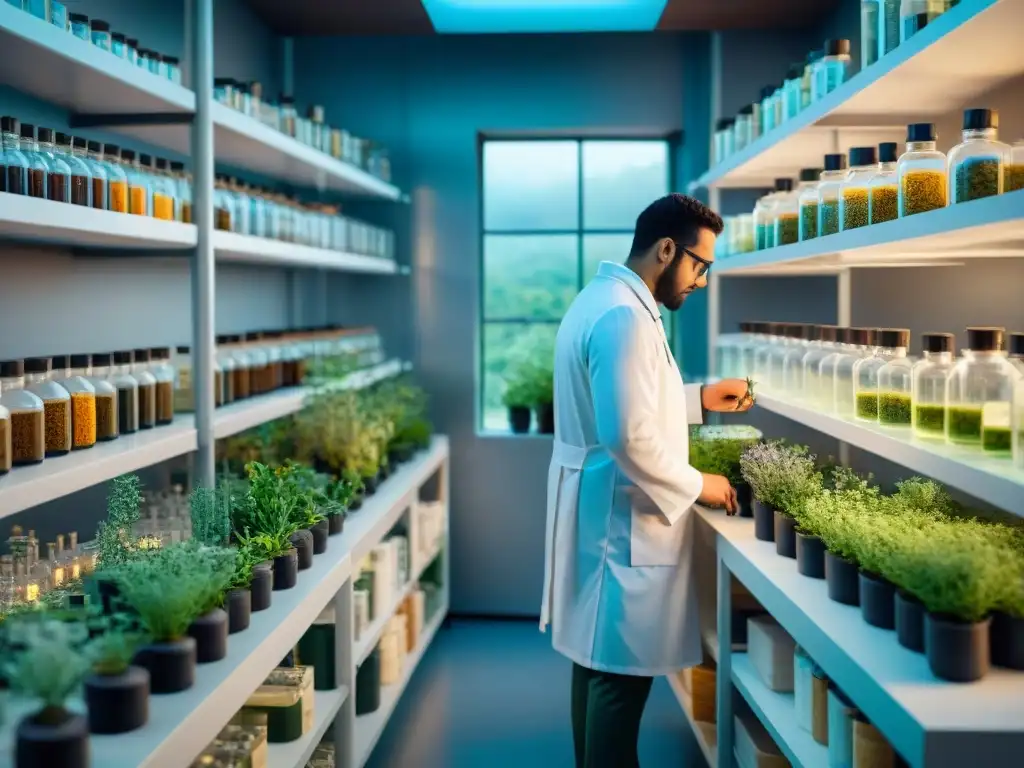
x,y
117,542
211,627
265,521
50,666
117,692
782,478
254,577
311,515
358,488
518,398
832,517
337,496
717,451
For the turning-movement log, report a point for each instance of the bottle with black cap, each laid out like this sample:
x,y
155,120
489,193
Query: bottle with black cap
x,y
979,393
38,168
894,378
141,362
163,372
853,194
830,71
860,344
56,404
829,185
929,385
807,338
764,217
127,392
138,184
58,177
743,128
260,362
768,122
921,172
28,433
106,396
723,142
93,157
976,164
13,163
117,179
807,204
883,191
71,372
787,208
826,344
821,395
224,391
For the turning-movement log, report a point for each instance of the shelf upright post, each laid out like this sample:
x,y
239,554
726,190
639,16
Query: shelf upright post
x,y
714,201
724,687
203,272
344,664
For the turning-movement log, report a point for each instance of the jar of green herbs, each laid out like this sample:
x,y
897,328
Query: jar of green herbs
x,y
979,393
977,163
929,386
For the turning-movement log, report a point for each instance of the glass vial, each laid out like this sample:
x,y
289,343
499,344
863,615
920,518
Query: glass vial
x,y
929,385
979,391
147,388
883,191
853,192
71,372
859,346
106,396
56,404
127,393
976,163
829,185
163,372
14,164
807,202
921,172
38,168
895,379
117,179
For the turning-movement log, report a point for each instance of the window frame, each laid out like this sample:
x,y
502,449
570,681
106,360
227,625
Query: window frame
x,y
672,142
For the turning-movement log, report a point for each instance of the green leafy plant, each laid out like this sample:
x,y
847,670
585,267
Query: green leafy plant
x,y
211,514
111,652
247,557
519,387
269,506
298,483
780,477
717,456
50,665
117,542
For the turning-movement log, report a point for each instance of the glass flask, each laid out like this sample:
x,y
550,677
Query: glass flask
x,y
38,168
80,188
829,186
929,386
71,372
106,396
127,392
786,213
163,372
915,15
141,364
893,382
921,172
793,363
811,363
853,192
807,204
58,175
883,191
979,391
1017,361
1013,173
56,404
976,164
859,346
14,164
869,14
768,109
830,71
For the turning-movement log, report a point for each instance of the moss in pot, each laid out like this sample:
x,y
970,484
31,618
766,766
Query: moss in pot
x,y
117,692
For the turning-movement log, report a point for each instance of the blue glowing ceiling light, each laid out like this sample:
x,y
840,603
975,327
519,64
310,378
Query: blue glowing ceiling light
x,y
543,16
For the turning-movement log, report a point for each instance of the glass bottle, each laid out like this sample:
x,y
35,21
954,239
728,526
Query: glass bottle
x,y
915,15
921,172
240,206
831,70
869,16
929,386
807,204
127,393
888,26
723,139
742,130
768,109
36,173
147,388
184,380
58,173
106,396
883,190
1013,173
786,214
1017,361
164,191
138,184
979,391
27,415
245,374
792,339
226,361
81,173
71,372
808,341
884,381
859,346
829,186
807,80
805,376
772,338
14,163
976,163
56,404
853,192
183,194
223,205
117,179
792,101
163,372
260,371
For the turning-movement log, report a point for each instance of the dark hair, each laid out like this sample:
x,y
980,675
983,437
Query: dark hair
x,y
675,216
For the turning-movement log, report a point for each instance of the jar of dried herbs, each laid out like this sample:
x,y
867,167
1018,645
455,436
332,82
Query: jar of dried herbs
x,y
71,372
147,388
127,392
921,172
39,381
27,416
106,396
828,194
787,217
929,386
163,372
883,190
1013,174
977,163
979,392
853,194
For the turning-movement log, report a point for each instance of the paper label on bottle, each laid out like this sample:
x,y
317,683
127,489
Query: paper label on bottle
x,y
995,415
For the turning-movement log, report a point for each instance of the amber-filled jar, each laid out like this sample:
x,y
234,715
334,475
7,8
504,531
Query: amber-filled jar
x,y
163,372
58,180
81,178
226,365
56,404
35,174
262,375
147,388
117,182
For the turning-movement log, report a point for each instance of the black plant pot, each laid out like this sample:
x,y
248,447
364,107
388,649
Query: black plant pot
x,y
171,665
286,570
384,473
239,606
519,419
744,499
546,419
117,703
110,595
320,532
48,746
810,555
261,587
877,601
785,534
335,524
957,651
1007,636
210,632
302,540
841,576
764,522
369,486
909,622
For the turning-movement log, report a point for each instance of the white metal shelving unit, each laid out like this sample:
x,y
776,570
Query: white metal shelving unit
x,y
246,249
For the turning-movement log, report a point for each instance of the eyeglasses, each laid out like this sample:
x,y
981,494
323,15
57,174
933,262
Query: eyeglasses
x,y
705,265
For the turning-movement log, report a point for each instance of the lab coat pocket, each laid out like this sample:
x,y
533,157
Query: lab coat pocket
x,y
652,541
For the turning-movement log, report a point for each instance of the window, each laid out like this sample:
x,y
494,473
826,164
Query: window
x,y
552,211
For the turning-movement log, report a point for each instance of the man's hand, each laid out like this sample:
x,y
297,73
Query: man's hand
x,y
727,396
718,493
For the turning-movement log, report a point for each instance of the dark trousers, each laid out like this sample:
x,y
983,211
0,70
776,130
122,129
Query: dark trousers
x,y
606,712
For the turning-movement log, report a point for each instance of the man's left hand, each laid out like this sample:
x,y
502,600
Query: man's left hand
x,y
727,396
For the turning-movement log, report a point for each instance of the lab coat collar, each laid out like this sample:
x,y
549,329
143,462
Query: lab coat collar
x,y
624,274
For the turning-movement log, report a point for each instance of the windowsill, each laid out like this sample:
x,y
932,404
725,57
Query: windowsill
x,y
490,434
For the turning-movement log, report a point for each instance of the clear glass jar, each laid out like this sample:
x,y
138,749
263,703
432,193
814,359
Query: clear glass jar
x,y
1013,173
725,353
117,179
79,23
792,100
723,143
743,131
1017,361
768,109
245,372
182,192
929,386
80,190
165,192
853,193
288,116
792,336
860,345
829,186
807,338
27,415
761,222
106,396
869,47
38,169
921,172
773,338
892,380
888,26
807,80
786,215
883,189
71,372
163,372
227,363
831,70
147,388
241,207
915,15
138,185
56,404
127,393
822,395
810,384
976,164
58,172
807,201
100,33
13,162
184,380
223,205
979,393
260,371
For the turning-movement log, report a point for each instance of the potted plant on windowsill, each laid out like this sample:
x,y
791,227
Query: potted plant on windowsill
x,y
117,692
782,478
518,398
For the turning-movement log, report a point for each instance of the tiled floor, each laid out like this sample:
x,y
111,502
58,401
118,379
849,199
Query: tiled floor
x,y
495,695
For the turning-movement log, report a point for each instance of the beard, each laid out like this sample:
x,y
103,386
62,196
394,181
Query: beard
x,y
664,290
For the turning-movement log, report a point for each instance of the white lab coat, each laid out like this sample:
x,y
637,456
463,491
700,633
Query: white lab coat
x,y
618,588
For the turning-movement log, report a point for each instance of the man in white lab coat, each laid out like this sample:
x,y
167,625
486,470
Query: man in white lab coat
x,y
617,586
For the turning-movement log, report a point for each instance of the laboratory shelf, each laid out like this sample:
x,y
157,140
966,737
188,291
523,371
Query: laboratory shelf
x,y
923,78
245,249
777,713
244,142
705,733
25,487
931,723
369,727
295,754
995,481
30,219
238,417
988,228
